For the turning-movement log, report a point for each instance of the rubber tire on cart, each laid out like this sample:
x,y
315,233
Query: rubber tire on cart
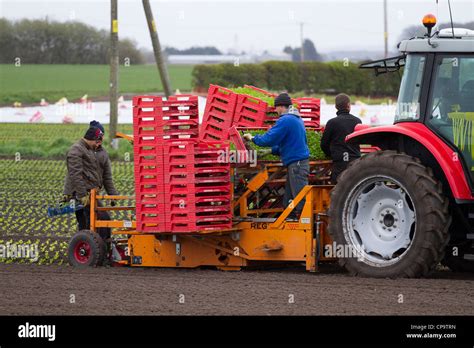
x,y
373,195
86,249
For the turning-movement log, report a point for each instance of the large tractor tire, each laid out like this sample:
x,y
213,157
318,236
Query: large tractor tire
x,y
390,216
86,249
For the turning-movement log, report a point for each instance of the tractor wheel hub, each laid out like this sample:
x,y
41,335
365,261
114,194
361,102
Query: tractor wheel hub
x,y
380,219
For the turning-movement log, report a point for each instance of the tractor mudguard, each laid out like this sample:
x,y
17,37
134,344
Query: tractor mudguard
x,y
448,159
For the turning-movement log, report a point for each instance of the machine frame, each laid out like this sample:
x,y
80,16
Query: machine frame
x,y
253,241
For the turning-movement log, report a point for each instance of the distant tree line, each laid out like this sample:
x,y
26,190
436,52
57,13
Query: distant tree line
x,y
311,77
309,50
50,42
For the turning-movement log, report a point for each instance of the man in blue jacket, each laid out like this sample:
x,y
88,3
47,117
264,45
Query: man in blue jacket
x,y
287,139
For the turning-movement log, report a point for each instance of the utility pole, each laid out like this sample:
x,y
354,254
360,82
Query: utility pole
x,y
157,48
114,61
385,28
302,41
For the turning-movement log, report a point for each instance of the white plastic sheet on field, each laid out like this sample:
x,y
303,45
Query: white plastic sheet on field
x,y
86,112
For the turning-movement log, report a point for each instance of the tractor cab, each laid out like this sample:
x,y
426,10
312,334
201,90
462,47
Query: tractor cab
x,y
437,89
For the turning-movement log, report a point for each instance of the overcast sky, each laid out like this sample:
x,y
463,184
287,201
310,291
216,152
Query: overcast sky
x,y
250,25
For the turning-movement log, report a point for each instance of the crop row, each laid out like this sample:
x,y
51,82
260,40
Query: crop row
x,y
27,188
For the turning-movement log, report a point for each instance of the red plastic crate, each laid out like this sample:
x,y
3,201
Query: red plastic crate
x,y
174,119
183,130
150,216
211,152
191,217
183,98
181,108
198,164
190,222
178,162
310,111
237,139
148,172
218,114
181,186
199,189
249,112
271,116
146,101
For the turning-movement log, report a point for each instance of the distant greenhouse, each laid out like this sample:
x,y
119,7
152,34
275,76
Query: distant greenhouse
x,y
224,58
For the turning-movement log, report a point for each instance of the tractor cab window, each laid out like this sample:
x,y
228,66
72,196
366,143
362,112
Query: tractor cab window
x,y
408,104
451,108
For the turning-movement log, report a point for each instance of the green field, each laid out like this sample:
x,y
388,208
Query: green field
x,y
53,140
29,83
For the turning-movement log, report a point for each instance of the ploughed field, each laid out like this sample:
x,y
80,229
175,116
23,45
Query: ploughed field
x,y
42,290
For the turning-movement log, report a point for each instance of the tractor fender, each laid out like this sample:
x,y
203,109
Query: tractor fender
x,y
446,157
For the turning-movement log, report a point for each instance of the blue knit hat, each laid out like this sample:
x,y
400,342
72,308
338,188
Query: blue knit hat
x,y
97,124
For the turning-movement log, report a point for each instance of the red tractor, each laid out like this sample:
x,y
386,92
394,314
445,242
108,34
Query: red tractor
x,y
410,206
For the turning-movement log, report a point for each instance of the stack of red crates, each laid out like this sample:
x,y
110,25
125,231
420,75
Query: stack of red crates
x,y
225,108
197,186
182,184
310,111
148,162
219,113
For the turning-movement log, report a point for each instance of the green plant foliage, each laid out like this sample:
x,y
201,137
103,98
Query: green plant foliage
x,y
314,144
28,188
253,93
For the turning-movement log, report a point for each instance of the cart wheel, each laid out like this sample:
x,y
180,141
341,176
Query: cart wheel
x,y
86,249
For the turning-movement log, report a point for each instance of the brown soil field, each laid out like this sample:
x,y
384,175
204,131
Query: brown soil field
x,y
48,290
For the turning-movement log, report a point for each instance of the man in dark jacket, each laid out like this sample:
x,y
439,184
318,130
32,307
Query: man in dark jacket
x,y
88,167
333,142
287,139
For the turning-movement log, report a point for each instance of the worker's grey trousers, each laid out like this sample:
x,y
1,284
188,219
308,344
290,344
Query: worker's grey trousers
x,y
297,178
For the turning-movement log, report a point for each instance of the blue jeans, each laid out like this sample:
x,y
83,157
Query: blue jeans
x,y
297,178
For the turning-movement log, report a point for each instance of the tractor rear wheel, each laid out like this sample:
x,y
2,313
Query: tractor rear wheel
x,y
390,216
86,249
